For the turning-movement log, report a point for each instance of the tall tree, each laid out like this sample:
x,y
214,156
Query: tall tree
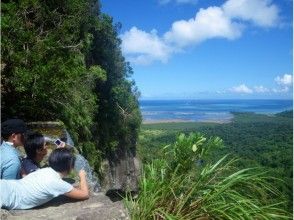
x,y
119,115
61,60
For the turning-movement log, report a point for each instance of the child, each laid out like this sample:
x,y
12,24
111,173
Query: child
x,y
12,134
36,149
44,184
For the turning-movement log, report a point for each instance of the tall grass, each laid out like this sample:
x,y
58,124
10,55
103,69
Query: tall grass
x,y
177,186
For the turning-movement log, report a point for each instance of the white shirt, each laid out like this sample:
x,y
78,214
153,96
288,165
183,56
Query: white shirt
x,y
33,190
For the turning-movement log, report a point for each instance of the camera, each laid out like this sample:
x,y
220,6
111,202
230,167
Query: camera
x,y
57,142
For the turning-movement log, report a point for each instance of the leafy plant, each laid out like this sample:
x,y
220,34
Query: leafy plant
x,y
256,139
62,60
175,187
191,149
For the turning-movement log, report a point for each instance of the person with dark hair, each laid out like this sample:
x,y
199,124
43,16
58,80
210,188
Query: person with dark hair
x,y
62,160
12,131
44,184
36,149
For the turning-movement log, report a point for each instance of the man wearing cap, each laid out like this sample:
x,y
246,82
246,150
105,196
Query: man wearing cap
x,y
12,134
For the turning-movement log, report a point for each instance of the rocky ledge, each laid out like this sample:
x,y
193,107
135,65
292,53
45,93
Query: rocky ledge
x,y
98,206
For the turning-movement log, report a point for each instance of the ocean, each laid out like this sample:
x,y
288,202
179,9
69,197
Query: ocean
x,y
207,110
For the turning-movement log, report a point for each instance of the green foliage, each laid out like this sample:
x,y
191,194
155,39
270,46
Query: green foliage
x,y
118,114
188,150
287,114
175,187
258,140
61,60
44,75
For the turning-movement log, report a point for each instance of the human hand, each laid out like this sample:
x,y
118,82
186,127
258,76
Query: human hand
x,y
82,173
61,145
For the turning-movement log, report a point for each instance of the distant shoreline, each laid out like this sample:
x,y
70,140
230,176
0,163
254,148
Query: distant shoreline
x,y
146,122
207,111
216,121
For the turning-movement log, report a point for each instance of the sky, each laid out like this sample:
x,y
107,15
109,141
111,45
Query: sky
x,y
200,49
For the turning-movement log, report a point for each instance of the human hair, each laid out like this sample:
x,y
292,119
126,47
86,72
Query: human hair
x,y
5,137
32,142
61,160
12,126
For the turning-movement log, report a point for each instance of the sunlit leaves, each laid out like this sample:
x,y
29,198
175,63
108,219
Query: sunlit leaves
x,y
213,191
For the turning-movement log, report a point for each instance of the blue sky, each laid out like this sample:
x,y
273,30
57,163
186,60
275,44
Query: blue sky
x,y
199,49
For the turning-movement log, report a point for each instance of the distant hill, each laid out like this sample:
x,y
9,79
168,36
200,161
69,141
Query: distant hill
x,y
286,114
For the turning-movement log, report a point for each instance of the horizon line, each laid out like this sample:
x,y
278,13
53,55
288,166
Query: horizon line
x,y
171,99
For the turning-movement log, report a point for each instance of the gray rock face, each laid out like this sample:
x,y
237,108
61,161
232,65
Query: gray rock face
x,y
4,214
98,206
121,172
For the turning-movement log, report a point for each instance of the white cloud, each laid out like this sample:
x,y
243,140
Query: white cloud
x,y
208,23
241,89
227,21
260,12
142,47
285,80
261,89
281,90
284,86
221,92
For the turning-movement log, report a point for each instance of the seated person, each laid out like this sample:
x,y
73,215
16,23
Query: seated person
x,y
36,149
44,184
12,134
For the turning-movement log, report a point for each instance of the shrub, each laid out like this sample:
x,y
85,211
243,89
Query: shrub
x,y
177,186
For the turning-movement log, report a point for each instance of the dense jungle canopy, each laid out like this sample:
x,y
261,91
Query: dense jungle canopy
x,y
61,60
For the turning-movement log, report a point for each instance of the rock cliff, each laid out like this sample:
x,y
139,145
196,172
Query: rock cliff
x,y
98,206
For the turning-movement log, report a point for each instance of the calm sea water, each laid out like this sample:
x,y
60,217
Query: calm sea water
x,y
207,110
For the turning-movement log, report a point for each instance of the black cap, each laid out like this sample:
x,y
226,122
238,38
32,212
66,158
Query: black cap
x,y
11,126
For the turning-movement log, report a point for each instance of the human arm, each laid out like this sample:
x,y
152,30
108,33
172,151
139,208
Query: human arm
x,y
11,170
82,192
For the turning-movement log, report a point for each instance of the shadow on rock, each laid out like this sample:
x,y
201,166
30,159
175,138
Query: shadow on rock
x,y
60,200
115,195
